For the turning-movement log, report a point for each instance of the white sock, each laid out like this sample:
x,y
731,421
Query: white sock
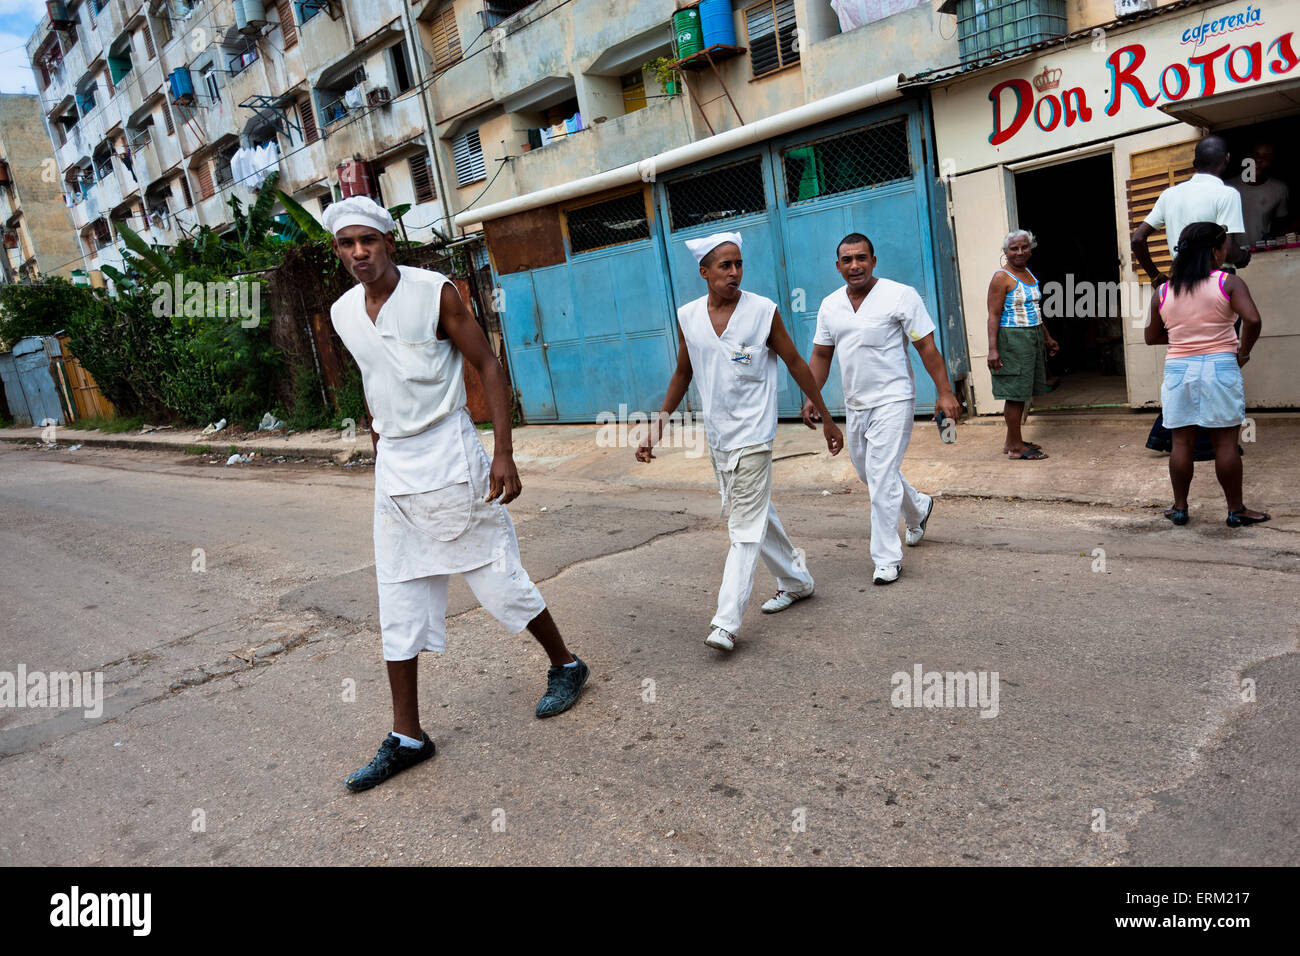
x,y
408,741
572,663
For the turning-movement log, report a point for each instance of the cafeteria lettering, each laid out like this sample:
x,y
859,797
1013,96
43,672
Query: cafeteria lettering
x,y
1198,76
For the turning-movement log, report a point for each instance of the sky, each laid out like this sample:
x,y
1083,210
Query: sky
x,y
18,18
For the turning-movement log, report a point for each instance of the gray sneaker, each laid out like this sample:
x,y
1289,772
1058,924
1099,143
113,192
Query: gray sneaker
x,y
563,685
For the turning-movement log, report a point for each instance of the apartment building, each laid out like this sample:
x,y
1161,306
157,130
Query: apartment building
x,y
34,223
161,112
587,163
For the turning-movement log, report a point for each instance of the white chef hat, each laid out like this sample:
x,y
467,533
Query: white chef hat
x,y
702,247
357,211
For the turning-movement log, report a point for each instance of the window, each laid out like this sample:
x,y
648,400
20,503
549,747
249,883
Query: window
x,y
148,40
167,119
309,8
857,160
185,191
608,223
163,29
725,193
446,39
326,201
221,163
772,35
288,29
633,92
991,28
421,178
203,172
309,131
467,155
399,68
210,81
498,10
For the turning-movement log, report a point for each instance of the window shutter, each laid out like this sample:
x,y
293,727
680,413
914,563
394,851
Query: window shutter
x,y
446,39
309,131
148,41
288,29
421,179
771,28
185,191
204,173
167,118
1153,171
467,155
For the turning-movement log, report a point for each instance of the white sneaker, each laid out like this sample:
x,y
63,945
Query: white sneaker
x,y
783,599
887,574
722,640
914,535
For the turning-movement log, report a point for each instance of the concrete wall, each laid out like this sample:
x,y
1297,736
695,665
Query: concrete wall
x,y
47,231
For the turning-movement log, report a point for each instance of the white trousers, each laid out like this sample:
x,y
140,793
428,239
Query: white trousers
x,y
877,439
413,614
754,529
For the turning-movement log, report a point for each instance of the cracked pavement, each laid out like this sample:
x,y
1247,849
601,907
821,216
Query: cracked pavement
x,y
239,696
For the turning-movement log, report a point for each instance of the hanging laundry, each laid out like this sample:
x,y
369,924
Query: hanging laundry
x,y
352,99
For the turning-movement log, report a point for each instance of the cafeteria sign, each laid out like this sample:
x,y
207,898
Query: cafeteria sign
x,y
1202,61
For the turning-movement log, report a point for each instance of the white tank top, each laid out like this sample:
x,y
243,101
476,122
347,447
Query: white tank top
x,y
736,371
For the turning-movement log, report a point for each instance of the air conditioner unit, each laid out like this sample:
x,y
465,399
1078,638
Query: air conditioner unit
x,y
377,96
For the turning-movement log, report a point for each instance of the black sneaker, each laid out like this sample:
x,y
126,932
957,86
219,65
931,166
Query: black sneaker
x,y
392,758
563,684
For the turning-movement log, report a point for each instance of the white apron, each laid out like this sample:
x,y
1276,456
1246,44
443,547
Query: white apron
x,y
448,529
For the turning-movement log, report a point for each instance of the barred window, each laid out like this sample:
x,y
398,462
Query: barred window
x,y
857,160
773,35
608,223
725,193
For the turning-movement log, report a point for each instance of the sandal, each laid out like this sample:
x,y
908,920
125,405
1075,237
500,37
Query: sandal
x,y
1238,519
1029,454
1177,515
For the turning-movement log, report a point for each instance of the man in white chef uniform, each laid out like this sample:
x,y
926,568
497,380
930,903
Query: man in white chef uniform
x,y
439,499
730,341
869,320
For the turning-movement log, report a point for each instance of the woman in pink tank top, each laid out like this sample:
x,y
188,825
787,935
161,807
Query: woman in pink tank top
x,y
1194,313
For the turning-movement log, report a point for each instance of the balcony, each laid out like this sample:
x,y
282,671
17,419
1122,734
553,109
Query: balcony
x,y
111,20
303,167
88,210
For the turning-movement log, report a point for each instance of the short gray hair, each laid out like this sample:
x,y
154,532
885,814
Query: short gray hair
x,y
1016,234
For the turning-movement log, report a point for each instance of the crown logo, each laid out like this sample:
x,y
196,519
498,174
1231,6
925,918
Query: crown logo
x,y
1049,79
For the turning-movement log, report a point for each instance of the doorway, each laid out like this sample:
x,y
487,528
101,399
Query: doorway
x,y
1070,209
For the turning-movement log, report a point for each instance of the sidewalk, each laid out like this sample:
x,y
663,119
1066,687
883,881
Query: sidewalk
x,y
1093,458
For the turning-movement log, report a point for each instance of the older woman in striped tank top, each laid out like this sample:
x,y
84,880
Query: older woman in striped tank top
x,y
1194,313
1018,341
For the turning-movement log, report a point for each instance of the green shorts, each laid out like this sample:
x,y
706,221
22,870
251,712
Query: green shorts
x,y
1024,363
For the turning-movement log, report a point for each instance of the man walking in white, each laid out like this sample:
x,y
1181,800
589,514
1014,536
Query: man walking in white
x,y
870,320
439,500
731,340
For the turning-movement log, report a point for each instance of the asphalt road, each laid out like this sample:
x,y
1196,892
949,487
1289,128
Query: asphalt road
x,y
1147,711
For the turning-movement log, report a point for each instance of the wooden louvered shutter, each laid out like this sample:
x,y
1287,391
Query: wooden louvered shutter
x,y
204,173
185,191
167,118
467,155
309,131
446,39
148,41
288,29
1153,171
421,179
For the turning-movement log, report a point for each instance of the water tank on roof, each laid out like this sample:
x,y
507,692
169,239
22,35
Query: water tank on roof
x,y
241,16
686,27
182,85
717,22
255,10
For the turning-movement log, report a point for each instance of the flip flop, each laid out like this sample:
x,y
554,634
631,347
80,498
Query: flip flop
x,y
1029,454
1177,515
1029,444
1236,519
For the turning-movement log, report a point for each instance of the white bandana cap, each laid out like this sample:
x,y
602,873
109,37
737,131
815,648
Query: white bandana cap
x,y
702,247
357,211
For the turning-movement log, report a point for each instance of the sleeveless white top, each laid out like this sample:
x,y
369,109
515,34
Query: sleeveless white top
x,y
736,371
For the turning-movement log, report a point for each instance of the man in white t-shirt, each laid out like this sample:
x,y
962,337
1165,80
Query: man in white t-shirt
x,y
1203,198
870,320
439,499
730,341
1263,195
